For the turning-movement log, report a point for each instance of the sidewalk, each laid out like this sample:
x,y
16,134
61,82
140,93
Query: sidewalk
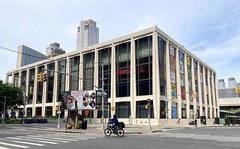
x,y
91,128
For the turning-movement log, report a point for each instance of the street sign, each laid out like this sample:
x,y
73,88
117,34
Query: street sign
x,y
58,112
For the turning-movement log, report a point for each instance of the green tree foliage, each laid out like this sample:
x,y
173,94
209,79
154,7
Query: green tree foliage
x,y
14,96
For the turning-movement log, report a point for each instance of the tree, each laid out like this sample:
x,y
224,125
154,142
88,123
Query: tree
x,y
14,96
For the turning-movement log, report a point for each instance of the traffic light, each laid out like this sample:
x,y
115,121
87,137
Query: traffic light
x,y
112,108
44,77
237,89
40,77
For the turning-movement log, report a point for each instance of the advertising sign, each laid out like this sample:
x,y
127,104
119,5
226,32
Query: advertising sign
x,y
79,100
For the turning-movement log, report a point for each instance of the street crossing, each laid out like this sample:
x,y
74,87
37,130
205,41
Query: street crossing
x,y
41,140
218,138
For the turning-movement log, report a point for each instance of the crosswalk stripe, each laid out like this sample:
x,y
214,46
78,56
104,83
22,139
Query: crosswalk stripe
x,y
30,143
39,138
64,139
47,142
15,145
4,148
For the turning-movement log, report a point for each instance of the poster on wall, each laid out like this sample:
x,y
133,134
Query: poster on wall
x,y
172,50
181,67
182,80
173,90
173,77
172,62
188,61
181,56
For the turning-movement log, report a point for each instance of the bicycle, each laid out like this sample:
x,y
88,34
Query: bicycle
x,y
118,130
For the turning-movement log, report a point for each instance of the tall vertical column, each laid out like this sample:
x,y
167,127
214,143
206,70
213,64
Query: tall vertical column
x,y
81,72
35,92
193,89
113,75
133,79
168,81
67,87
55,89
199,89
210,93
178,85
213,95
205,92
44,95
186,87
155,77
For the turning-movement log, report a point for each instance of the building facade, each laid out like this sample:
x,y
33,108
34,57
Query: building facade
x,y
229,101
54,50
28,55
143,65
87,34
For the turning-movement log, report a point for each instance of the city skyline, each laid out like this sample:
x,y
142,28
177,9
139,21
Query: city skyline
x,y
207,29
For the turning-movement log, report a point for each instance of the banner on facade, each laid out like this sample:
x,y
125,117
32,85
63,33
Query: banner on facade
x,y
75,100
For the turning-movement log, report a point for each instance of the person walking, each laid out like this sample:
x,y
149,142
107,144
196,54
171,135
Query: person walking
x,y
178,122
195,122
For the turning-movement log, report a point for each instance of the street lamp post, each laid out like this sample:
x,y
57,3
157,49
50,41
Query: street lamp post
x,y
4,110
24,106
149,108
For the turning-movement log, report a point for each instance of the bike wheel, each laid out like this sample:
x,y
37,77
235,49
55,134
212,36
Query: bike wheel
x,y
120,132
107,132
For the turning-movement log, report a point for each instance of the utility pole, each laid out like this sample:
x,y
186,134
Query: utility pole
x,y
4,111
24,106
102,96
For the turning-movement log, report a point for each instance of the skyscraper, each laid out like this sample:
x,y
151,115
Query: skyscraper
x,y
54,50
87,34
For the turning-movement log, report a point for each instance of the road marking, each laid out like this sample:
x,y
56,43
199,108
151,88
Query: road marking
x,y
39,138
29,143
63,139
47,142
4,148
14,145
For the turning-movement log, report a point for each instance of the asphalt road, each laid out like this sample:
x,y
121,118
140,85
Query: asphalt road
x,y
185,138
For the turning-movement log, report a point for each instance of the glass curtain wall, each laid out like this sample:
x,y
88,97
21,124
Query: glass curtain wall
x,y
88,71
31,85
39,87
23,80
142,111
162,65
104,58
189,70
123,53
61,77
50,82
144,65
16,77
74,70
123,109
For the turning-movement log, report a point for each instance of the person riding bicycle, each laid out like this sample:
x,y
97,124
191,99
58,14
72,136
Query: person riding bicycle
x,y
114,122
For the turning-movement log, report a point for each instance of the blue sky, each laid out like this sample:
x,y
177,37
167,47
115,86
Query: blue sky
x,y
210,29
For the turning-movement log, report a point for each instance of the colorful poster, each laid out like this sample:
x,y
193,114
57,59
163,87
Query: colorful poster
x,y
188,61
80,100
173,77
173,90
172,62
172,50
181,67
181,56
182,80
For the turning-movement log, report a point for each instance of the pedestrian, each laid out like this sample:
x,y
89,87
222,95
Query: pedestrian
x,y
178,122
195,122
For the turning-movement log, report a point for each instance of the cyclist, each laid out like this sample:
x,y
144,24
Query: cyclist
x,y
115,123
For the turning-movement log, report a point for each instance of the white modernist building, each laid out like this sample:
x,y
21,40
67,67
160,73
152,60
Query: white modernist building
x,y
147,64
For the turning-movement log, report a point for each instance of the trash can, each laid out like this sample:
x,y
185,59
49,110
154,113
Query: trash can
x,y
84,124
